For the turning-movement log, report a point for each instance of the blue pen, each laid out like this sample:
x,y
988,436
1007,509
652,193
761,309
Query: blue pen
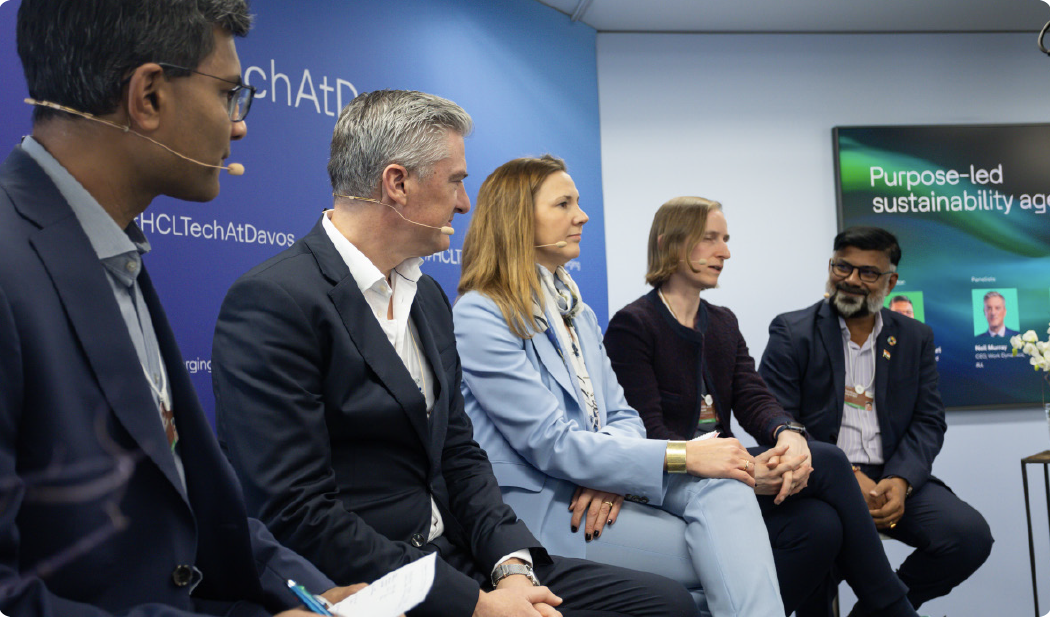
x,y
307,598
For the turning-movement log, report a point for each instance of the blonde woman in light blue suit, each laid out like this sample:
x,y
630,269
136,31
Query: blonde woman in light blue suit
x,y
566,448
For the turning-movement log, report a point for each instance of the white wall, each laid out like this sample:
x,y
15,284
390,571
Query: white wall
x,y
746,119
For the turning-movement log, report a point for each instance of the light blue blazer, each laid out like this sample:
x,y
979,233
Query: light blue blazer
x,y
526,413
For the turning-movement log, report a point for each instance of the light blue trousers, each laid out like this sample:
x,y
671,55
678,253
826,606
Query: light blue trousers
x,y
708,535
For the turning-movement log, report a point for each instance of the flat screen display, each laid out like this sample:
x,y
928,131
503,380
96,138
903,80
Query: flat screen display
x,y
970,206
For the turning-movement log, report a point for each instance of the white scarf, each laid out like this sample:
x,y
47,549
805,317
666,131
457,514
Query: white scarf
x,y
566,303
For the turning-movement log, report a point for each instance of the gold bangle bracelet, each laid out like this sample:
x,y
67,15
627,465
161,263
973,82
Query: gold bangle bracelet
x,y
675,457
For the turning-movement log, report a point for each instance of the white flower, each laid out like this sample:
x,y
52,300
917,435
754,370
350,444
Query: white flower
x,y
1042,346
1031,351
1038,363
1016,341
1029,337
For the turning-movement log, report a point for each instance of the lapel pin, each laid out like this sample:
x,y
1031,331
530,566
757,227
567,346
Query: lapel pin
x,y
885,354
892,341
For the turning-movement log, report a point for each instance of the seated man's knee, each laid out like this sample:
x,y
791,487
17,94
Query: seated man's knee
x,y
976,540
963,535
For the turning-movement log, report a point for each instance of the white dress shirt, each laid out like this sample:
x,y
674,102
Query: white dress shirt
x,y
380,295
399,292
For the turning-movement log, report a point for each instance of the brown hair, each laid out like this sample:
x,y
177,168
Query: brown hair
x,y
499,259
677,227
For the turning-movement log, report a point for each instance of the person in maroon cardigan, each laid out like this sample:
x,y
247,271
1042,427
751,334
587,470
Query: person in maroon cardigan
x,y
684,366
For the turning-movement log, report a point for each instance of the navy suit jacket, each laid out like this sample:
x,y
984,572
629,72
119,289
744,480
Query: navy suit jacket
x,y
804,366
93,517
330,434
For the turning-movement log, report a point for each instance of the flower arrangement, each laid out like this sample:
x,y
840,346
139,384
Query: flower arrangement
x,y
1038,352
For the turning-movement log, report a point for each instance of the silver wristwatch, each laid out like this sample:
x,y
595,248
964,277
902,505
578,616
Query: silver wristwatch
x,y
502,571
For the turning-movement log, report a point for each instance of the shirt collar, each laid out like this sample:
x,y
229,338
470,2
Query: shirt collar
x,y
365,273
106,238
874,331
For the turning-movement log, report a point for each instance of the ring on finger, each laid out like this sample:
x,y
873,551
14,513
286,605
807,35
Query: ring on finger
x,y
608,503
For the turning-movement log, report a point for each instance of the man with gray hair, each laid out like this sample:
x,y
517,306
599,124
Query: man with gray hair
x,y
337,387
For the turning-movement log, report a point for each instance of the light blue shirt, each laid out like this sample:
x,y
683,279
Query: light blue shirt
x,y
120,253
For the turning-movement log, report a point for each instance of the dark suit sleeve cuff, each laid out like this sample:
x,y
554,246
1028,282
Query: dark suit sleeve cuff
x,y
453,593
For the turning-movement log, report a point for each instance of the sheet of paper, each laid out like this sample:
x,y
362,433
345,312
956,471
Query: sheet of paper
x,y
710,435
392,595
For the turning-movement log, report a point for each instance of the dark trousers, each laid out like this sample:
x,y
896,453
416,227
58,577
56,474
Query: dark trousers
x,y
589,589
827,526
950,537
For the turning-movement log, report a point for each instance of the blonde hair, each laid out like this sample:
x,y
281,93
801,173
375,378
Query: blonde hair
x,y
499,256
677,227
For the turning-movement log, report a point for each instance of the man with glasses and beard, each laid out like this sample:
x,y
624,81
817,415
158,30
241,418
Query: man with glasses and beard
x,y
864,378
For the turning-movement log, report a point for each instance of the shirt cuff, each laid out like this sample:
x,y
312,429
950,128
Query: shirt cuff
x,y
524,555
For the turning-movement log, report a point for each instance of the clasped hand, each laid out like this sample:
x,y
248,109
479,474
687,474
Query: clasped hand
x,y
515,596
784,470
721,457
885,499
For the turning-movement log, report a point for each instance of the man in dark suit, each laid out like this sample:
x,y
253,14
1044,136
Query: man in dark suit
x,y
865,378
337,387
114,495
995,314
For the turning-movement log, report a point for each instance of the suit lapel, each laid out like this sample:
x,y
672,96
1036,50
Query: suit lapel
x,y
552,360
214,493
831,339
429,350
87,297
883,366
366,333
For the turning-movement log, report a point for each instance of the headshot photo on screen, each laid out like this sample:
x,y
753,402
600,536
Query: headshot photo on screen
x,y
995,313
907,303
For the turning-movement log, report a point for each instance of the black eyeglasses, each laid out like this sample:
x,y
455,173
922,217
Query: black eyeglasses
x,y
844,269
238,99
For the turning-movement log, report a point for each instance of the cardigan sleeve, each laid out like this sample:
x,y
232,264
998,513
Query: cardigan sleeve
x,y
754,405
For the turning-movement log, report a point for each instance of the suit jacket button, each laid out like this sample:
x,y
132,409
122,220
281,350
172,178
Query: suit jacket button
x,y
182,575
418,540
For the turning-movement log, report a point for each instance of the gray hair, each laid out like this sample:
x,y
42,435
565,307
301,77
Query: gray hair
x,y
383,127
993,294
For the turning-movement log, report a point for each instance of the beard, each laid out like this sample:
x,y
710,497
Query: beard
x,y
862,305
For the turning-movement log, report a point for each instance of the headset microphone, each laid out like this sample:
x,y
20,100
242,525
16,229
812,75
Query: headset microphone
x,y
445,229
560,244
827,295
234,169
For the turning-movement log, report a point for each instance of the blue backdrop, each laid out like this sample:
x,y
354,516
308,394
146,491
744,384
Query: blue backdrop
x,y
524,72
